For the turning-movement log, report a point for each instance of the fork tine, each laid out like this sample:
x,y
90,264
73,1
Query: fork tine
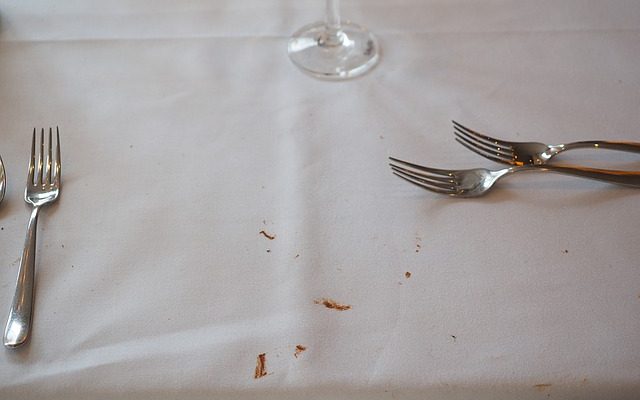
x,y
41,159
497,157
422,184
487,147
481,136
58,164
424,178
438,178
49,155
435,171
488,144
32,159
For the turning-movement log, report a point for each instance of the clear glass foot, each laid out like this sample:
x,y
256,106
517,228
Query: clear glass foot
x,y
346,53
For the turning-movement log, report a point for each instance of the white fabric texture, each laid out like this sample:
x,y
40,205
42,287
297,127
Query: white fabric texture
x,y
186,131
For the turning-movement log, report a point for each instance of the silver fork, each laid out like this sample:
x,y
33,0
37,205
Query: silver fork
x,y
43,188
478,181
524,153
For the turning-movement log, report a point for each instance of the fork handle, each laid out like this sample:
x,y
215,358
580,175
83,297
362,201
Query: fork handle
x,y
632,147
626,178
19,322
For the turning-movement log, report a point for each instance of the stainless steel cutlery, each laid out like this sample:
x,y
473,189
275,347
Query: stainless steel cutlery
x,y
521,156
42,189
527,153
476,182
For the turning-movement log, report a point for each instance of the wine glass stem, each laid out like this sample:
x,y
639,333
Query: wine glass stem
x,y
333,35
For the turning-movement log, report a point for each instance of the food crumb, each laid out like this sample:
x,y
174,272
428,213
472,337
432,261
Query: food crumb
x,y
265,234
332,304
299,350
407,274
542,386
261,366
297,255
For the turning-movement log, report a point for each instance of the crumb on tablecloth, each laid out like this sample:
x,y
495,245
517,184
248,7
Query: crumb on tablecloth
x,y
265,234
299,350
261,366
332,304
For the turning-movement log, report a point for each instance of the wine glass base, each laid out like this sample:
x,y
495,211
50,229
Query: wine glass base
x,y
352,53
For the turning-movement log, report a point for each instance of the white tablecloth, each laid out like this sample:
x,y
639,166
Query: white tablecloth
x,y
186,131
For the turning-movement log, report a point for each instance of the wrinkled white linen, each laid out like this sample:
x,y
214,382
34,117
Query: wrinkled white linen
x,y
186,131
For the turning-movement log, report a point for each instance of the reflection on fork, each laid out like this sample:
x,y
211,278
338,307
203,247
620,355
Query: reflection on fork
x,y
527,153
478,181
43,188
